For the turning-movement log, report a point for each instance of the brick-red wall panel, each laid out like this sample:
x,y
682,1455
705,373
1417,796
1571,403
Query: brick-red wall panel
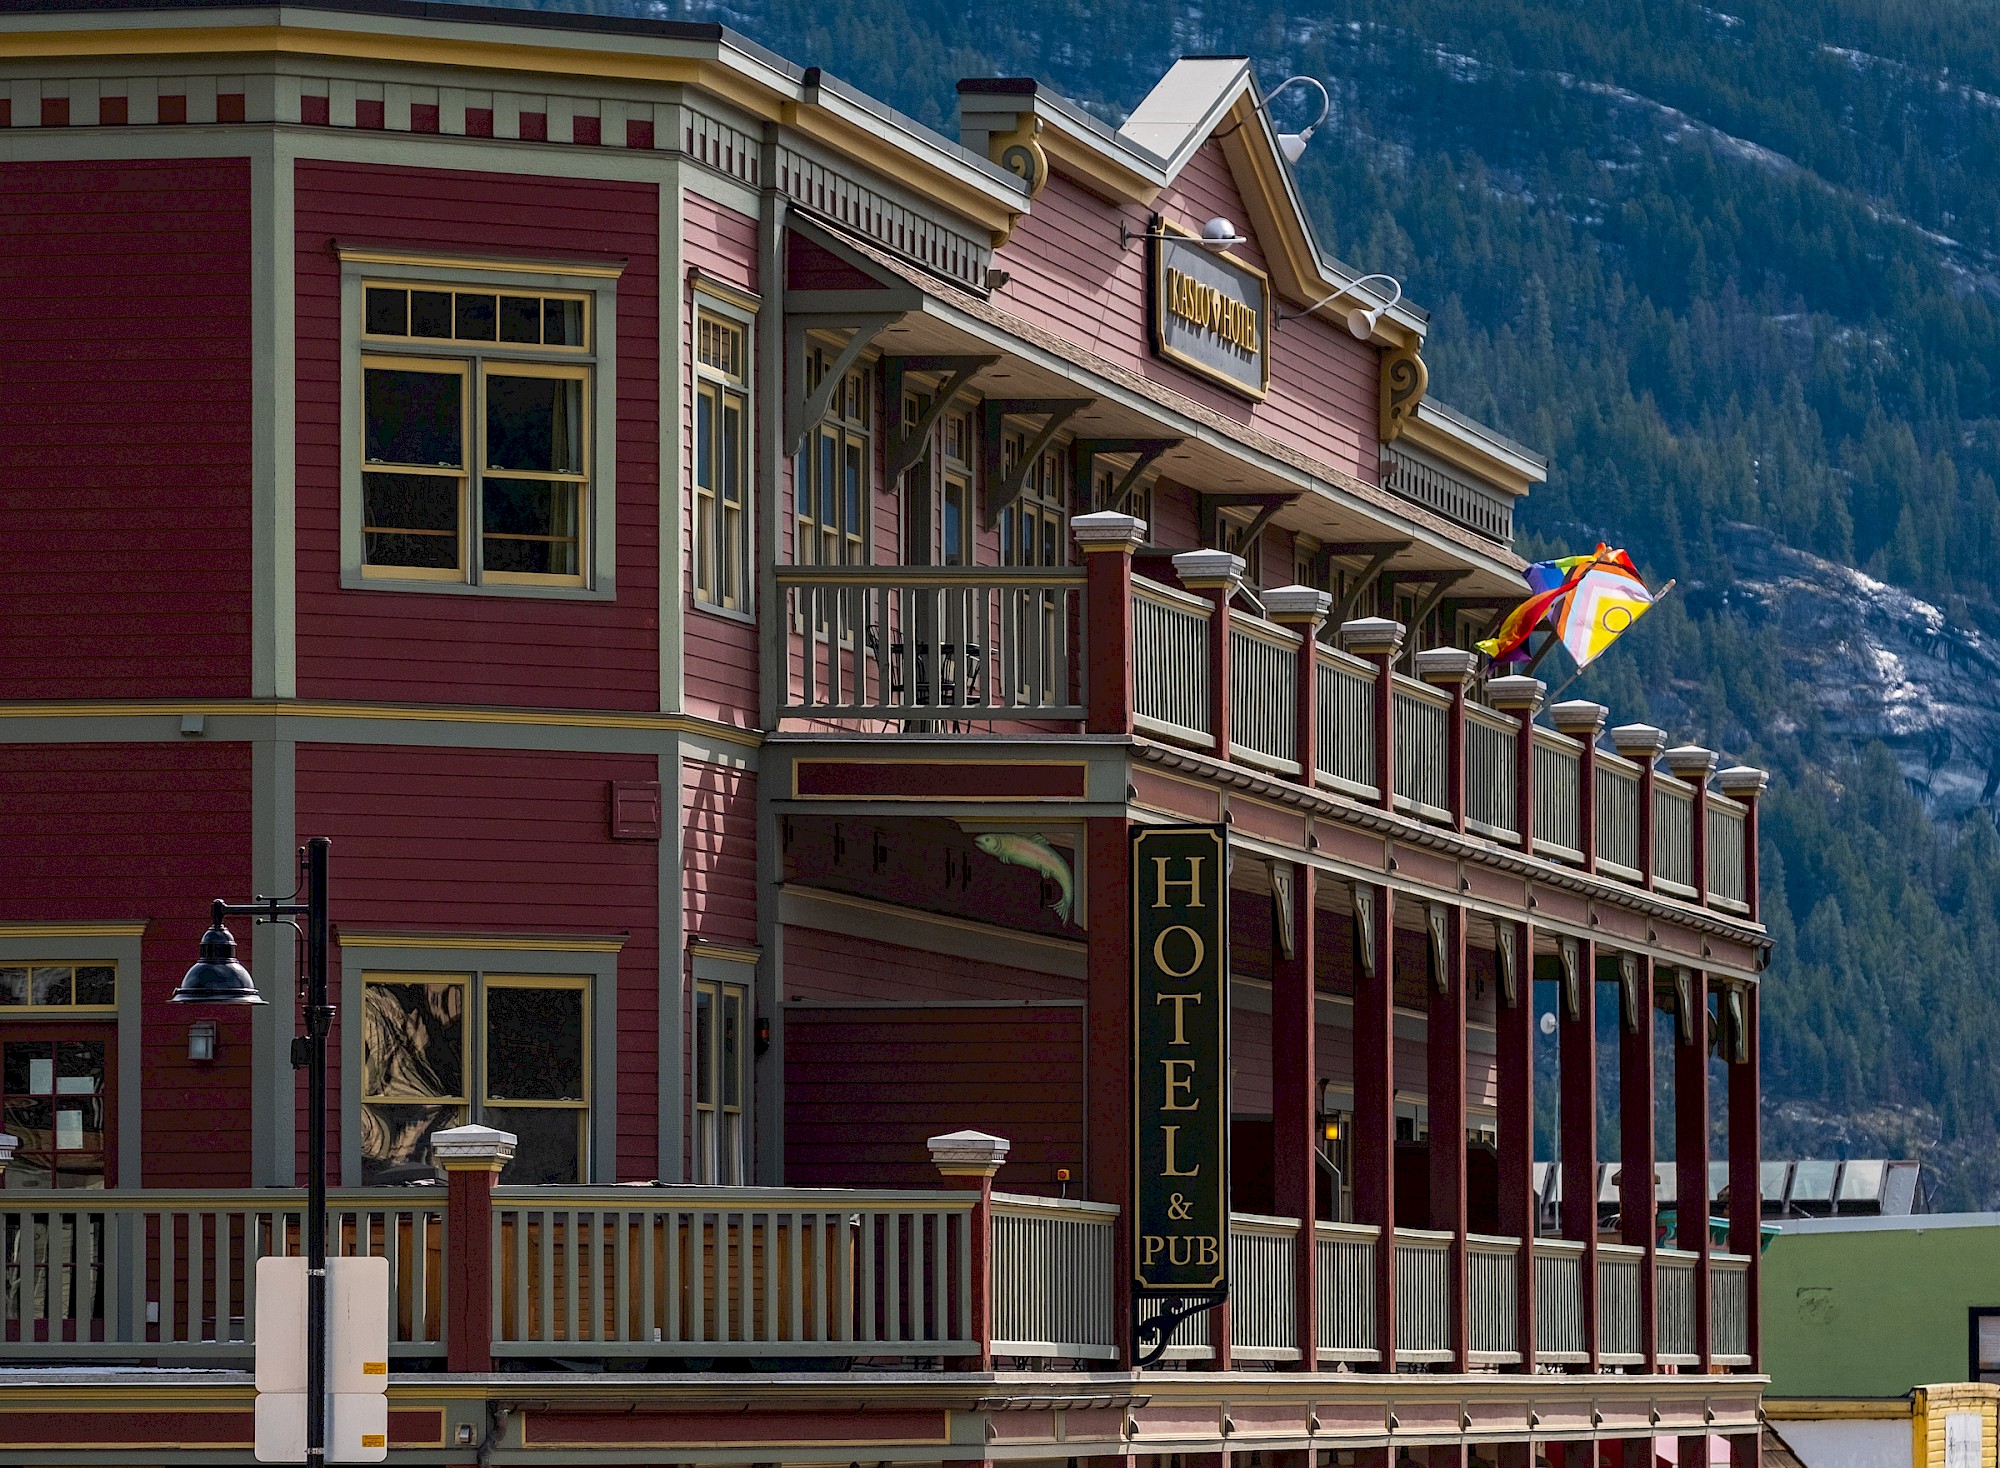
x,y
374,644
864,1088
125,435
494,841
124,832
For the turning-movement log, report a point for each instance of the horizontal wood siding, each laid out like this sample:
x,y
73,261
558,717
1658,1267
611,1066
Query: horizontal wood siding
x,y
864,1089
125,437
838,967
719,852
722,651
154,833
371,643
1069,274
499,841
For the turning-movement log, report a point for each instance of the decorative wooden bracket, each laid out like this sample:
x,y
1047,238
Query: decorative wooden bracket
x,y
1633,1005
1004,486
1364,926
1441,582
1146,451
907,440
1571,953
1267,506
1404,380
803,409
1508,960
1379,553
1438,921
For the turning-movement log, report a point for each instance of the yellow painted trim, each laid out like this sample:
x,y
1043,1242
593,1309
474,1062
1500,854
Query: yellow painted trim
x,y
476,942
1843,1409
1461,454
422,713
447,260
26,932
703,284
700,949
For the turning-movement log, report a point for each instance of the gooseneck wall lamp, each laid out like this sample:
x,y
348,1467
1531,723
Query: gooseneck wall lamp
x,y
1362,318
1294,144
217,978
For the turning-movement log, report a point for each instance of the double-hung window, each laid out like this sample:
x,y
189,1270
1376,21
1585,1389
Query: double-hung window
x,y
721,461
507,1050
478,424
834,475
721,1081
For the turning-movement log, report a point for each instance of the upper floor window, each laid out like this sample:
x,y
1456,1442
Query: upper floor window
x,y
721,461
479,427
834,475
1034,530
956,503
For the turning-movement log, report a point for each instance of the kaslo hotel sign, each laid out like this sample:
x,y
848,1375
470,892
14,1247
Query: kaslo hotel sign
x,y
1180,1073
1210,314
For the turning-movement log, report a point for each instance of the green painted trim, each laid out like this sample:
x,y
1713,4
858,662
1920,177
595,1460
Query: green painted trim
x,y
273,431
418,729
673,393
128,1065
274,955
600,968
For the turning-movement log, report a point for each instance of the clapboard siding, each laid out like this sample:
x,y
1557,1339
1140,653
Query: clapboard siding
x,y
722,651
1069,274
719,852
839,967
125,455
152,832
497,841
865,1087
374,643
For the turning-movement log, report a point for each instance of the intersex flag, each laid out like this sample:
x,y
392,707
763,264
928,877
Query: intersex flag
x,y
1600,604
1547,580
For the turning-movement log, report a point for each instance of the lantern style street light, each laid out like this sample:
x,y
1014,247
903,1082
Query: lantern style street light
x,y
217,978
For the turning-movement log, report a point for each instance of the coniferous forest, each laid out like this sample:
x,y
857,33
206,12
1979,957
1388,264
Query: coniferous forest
x,y
1736,270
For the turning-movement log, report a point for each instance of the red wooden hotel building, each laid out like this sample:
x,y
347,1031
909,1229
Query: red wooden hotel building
x,y
728,567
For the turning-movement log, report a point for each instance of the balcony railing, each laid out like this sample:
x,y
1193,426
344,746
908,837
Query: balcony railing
x,y
617,1274
930,649
933,644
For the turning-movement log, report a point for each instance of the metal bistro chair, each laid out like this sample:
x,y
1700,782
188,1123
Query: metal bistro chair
x,y
950,691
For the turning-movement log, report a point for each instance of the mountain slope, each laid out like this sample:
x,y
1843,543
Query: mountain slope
x,y
1737,273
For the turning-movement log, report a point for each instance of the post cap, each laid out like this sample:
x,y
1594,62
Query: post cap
x,y
1640,742
1108,530
968,1154
1692,762
1372,637
1450,666
1516,693
472,1147
1580,717
8,1143
1205,569
1296,604
1743,782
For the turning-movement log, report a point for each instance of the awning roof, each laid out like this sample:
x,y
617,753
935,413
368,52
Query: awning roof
x,y
1218,455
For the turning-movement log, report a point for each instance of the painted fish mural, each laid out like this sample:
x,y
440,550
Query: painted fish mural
x,y
1034,853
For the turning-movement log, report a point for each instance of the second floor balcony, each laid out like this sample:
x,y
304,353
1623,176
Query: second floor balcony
x,y
1180,653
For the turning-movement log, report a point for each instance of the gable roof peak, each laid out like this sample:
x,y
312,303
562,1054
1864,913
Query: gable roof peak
x,y
1185,106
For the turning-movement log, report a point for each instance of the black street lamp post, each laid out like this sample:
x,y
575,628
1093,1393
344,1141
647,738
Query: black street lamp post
x,y
219,979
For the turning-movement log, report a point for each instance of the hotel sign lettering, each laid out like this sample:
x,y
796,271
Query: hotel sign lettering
x,y
1180,1031
1210,314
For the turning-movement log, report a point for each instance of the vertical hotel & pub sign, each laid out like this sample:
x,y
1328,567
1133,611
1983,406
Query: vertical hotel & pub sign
x,y
1210,314
1180,1072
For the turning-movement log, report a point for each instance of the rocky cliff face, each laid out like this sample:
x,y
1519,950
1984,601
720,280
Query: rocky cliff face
x,y
1880,664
